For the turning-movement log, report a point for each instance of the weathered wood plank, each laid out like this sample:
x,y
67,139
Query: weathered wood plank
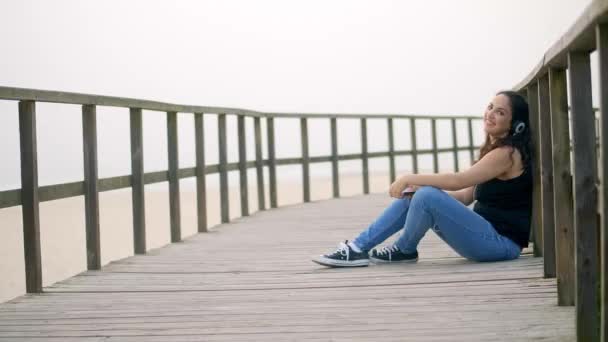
x,y
259,163
537,233
91,191
546,175
137,182
562,187
364,157
455,146
29,196
585,197
305,160
471,141
434,145
201,178
602,52
335,175
243,166
414,148
223,160
272,163
391,150
173,159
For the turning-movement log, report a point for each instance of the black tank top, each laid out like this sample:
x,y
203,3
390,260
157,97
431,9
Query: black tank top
x,y
507,205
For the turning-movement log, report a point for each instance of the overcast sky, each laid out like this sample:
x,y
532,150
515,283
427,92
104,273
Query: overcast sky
x,y
423,57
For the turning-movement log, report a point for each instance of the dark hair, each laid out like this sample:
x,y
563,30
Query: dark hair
x,y
520,140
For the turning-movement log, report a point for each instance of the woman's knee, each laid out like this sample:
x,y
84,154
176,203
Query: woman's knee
x,y
427,193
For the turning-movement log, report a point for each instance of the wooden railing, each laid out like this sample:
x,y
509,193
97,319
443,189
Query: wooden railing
x,y
570,207
30,194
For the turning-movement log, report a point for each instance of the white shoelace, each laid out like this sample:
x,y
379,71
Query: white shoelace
x,y
389,250
344,250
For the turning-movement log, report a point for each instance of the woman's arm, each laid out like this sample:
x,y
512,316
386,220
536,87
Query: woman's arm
x,y
492,165
466,196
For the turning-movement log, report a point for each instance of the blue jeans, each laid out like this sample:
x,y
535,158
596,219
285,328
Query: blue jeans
x,y
469,234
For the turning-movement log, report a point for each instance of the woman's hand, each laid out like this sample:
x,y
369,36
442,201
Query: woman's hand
x,y
398,186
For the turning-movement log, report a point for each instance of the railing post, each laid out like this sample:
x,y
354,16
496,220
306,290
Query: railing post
x,y
434,146
471,141
259,163
272,163
455,144
243,165
562,188
537,233
29,196
602,51
223,170
334,158
546,171
173,158
305,159
201,181
91,192
391,150
364,157
585,197
137,182
413,143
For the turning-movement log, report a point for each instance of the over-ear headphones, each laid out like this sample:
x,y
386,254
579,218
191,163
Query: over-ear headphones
x,y
518,127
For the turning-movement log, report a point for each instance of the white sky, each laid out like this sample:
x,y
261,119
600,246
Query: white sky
x,y
421,57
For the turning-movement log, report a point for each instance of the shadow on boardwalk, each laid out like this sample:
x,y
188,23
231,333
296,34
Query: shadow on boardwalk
x,y
252,280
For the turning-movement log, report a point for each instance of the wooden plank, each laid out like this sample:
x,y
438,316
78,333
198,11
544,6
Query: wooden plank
x,y
391,150
334,158
471,141
546,175
201,177
537,233
455,146
414,148
562,187
91,194
602,52
305,160
364,157
434,145
29,196
137,182
272,165
259,166
173,158
585,197
223,160
243,166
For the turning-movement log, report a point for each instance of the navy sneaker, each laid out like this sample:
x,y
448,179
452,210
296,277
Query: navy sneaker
x,y
344,256
392,254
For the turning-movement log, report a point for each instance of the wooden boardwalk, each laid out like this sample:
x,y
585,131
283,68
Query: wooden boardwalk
x,y
252,280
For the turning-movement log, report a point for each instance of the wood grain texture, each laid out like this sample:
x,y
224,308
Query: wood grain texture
x,y
91,190
537,233
364,157
137,181
201,178
173,173
305,160
252,280
335,175
223,170
243,184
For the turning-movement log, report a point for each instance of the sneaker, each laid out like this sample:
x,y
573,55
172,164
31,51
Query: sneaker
x,y
344,256
392,254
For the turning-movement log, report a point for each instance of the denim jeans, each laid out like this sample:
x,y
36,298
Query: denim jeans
x,y
469,234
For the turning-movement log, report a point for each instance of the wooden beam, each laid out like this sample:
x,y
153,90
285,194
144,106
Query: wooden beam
x,y
201,177
537,233
364,157
173,158
434,145
471,141
562,188
91,191
29,196
391,150
305,159
223,160
546,174
334,158
259,162
414,148
137,182
602,52
243,166
455,146
585,197
272,163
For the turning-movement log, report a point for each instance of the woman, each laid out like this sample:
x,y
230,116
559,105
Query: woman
x,y
496,229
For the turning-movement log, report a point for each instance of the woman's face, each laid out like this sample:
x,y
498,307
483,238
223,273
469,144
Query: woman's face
x,y
497,117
